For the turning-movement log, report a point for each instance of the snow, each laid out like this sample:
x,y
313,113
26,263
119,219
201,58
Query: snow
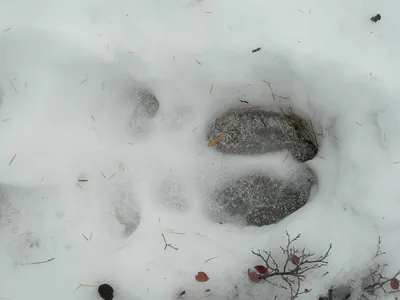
x,y
68,72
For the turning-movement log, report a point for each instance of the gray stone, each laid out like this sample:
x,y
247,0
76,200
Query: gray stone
x,y
250,131
262,199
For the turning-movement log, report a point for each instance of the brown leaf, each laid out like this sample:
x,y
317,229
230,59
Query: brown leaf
x,y
216,139
201,277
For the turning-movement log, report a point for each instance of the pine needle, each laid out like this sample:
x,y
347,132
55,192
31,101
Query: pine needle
x,y
176,88
15,155
12,83
103,174
84,285
270,87
175,232
95,129
210,259
211,88
113,175
87,239
83,81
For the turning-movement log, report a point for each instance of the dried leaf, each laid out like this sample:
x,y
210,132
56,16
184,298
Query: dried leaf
x,y
253,276
261,269
201,277
295,260
394,284
216,139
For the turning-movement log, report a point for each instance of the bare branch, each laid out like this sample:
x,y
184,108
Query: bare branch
x,y
297,262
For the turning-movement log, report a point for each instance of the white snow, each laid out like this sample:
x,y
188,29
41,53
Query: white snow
x,y
68,70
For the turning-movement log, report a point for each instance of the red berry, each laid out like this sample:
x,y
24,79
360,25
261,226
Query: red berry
x,y
261,269
295,260
394,284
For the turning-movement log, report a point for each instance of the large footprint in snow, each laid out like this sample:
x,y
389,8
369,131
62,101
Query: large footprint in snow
x,y
261,199
250,131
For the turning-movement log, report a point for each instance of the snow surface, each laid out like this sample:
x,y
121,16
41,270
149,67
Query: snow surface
x,y
68,70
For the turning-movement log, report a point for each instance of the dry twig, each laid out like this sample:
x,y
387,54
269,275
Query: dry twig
x,y
38,262
166,244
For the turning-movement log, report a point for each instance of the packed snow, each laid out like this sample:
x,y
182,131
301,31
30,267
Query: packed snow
x,y
91,183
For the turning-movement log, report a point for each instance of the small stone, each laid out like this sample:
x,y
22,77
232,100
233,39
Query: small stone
x,y
252,131
106,291
376,18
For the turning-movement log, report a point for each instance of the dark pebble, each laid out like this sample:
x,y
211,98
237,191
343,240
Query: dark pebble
x,y
106,291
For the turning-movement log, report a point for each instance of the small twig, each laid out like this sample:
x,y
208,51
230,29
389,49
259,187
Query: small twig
x,y
39,262
198,62
378,250
211,88
83,81
166,244
256,50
